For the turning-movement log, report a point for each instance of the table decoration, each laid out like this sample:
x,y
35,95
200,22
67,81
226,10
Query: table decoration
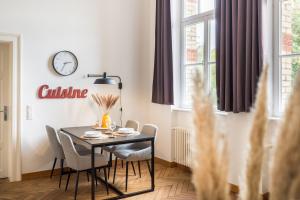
x,y
105,103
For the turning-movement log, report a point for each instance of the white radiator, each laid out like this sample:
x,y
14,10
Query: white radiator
x,y
182,154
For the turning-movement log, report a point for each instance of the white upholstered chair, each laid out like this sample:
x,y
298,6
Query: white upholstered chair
x,y
129,124
58,151
81,162
136,151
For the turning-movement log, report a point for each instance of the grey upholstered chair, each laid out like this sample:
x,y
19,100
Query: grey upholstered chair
x,y
136,151
81,162
129,124
58,151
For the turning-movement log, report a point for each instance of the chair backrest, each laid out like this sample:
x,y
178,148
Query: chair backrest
x,y
133,124
150,129
69,150
54,143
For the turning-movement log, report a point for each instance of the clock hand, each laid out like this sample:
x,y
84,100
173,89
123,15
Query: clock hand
x,y
62,69
67,63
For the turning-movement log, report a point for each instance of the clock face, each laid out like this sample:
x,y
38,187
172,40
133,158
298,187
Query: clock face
x,y
65,63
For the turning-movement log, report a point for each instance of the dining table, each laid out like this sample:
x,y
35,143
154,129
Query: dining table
x,y
77,135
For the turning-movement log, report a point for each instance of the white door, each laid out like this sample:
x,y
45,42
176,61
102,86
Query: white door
x,y
5,66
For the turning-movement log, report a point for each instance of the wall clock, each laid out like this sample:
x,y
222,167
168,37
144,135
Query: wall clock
x,y
64,63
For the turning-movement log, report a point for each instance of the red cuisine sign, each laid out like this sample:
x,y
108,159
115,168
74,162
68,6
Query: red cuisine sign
x,y
69,93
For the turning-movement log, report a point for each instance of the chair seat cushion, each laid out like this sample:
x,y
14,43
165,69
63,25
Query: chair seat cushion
x,y
113,148
134,153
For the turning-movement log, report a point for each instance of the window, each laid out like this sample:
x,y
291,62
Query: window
x,y
287,53
197,46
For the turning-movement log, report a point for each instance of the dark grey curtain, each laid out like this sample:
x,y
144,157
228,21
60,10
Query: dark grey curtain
x,y
162,89
239,53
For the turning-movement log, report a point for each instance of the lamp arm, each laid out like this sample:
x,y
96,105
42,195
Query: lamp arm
x,y
118,77
94,75
120,81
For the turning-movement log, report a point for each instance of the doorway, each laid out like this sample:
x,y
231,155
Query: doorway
x,y
10,151
5,104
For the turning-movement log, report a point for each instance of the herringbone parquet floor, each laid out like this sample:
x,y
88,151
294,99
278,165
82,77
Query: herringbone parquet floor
x,y
171,184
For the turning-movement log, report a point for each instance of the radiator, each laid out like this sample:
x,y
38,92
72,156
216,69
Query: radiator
x,y
181,139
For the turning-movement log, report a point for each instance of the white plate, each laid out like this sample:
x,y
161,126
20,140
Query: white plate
x,y
134,133
92,134
126,130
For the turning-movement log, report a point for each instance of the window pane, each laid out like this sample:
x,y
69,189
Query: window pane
x,y
212,41
290,26
206,5
189,72
194,7
194,43
213,83
190,7
289,68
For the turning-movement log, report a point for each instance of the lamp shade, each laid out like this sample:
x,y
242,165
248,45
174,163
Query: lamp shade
x,y
105,80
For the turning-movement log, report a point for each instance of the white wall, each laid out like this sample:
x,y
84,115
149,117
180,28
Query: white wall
x,y
105,35
116,36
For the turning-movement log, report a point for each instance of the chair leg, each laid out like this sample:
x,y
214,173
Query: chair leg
x,y
122,164
61,170
68,180
95,171
133,168
148,166
126,182
101,151
139,165
116,163
105,177
110,164
76,185
87,176
54,163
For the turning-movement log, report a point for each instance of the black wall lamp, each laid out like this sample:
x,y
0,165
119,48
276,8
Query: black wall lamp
x,y
109,80
105,79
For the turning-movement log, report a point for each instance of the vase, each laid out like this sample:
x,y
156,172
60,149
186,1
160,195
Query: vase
x,y
106,121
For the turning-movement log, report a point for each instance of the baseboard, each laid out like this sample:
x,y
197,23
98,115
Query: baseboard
x,y
164,162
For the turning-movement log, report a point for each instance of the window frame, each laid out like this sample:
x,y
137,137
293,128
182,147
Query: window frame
x,y
204,18
277,58
276,79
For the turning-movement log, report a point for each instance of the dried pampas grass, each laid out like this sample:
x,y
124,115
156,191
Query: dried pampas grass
x,y
285,175
250,187
210,166
106,102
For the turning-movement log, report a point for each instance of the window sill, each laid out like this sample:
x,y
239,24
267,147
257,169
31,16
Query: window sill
x,y
221,113
178,109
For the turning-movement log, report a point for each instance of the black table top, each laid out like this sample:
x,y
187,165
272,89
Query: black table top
x,y
78,132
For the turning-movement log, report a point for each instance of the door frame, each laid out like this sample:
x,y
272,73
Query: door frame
x,y
14,138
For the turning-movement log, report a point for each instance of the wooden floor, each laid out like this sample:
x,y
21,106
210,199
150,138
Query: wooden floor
x,y
171,183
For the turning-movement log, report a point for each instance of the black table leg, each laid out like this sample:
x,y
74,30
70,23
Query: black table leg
x,y
93,174
152,165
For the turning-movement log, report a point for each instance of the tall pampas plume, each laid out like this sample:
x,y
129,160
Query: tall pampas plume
x,y
251,184
210,164
285,174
